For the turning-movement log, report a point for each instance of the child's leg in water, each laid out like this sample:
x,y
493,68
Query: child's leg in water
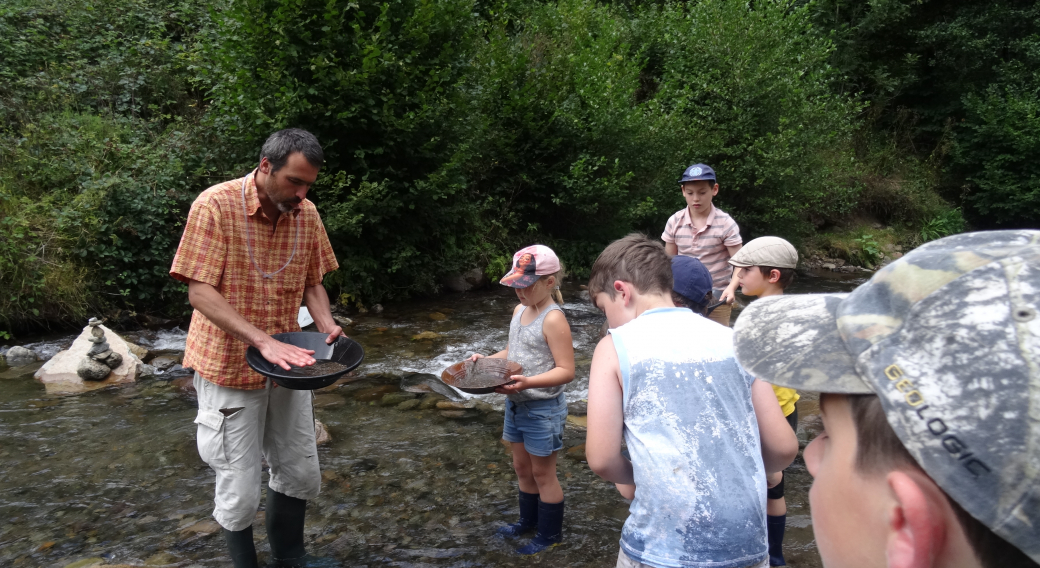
x,y
541,470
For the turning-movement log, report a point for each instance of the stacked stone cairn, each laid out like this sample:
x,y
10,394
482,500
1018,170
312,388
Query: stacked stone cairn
x,y
100,360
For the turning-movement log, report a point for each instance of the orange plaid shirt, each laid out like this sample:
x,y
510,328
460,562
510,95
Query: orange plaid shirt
x,y
213,251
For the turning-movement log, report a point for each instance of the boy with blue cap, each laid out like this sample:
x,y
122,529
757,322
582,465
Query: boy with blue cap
x,y
705,232
929,377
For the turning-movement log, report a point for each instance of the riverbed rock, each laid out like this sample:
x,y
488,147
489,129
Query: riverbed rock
x,y
576,452
409,404
426,335
59,375
342,321
328,400
578,421
18,356
431,400
321,433
395,398
472,279
437,316
578,408
373,393
460,414
452,405
185,385
163,363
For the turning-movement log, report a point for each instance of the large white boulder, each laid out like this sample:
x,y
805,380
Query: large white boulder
x,y
59,374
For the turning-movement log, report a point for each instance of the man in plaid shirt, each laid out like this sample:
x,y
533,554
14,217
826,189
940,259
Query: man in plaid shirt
x,y
254,248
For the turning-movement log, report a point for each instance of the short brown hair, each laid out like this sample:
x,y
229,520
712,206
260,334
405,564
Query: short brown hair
x,y
879,450
786,275
635,259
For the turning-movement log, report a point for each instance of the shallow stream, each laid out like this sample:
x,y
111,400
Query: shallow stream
x,y
114,475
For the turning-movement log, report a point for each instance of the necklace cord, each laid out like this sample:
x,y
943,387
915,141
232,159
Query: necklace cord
x,y
249,236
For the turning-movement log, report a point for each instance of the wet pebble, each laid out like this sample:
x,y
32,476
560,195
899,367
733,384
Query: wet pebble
x,y
409,404
374,393
327,400
576,452
426,335
452,405
578,408
460,414
431,400
437,316
161,559
578,421
396,398
164,363
184,384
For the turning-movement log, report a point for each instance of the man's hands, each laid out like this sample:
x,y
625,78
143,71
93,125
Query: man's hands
x,y
284,355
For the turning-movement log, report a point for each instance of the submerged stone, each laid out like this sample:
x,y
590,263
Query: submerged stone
x,y
395,398
18,356
426,335
430,401
409,404
373,393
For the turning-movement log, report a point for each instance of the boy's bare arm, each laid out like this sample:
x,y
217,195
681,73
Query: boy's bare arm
x,y
606,417
779,443
671,248
730,293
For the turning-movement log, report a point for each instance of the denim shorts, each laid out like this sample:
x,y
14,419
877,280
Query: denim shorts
x,y
536,423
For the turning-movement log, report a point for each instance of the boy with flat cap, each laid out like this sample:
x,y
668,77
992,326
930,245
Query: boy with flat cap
x,y
930,382
765,267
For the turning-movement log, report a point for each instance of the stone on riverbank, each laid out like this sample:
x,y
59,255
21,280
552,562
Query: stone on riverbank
x,y
163,363
59,375
321,433
18,356
91,370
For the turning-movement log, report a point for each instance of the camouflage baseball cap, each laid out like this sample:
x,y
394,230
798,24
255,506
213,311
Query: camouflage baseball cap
x,y
948,338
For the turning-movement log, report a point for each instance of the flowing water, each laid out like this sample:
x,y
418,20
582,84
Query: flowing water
x,y
114,475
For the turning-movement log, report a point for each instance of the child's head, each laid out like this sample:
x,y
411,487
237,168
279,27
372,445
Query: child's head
x,y
698,186
765,266
930,454
632,264
536,274
691,284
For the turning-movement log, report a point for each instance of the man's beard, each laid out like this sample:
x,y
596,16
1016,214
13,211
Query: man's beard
x,y
283,206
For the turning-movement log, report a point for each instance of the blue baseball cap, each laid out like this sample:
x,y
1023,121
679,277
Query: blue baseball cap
x,y
691,279
697,172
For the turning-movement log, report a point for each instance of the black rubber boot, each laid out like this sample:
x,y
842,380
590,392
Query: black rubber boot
x,y
240,545
528,516
550,529
775,526
285,516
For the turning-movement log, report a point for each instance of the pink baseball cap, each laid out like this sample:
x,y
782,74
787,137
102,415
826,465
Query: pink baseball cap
x,y
530,264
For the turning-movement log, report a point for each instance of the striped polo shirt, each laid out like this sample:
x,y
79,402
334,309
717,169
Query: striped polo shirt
x,y
707,244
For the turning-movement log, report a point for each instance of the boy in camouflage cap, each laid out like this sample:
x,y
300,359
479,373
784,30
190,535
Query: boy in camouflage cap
x,y
930,374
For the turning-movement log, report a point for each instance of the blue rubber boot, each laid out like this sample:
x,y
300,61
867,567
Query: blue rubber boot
x,y
550,529
528,516
775,526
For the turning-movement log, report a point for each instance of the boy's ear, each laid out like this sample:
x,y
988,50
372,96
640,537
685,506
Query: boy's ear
x,y
625,289
774,276
917,529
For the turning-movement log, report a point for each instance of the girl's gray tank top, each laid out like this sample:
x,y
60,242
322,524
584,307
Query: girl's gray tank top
x,y
528,347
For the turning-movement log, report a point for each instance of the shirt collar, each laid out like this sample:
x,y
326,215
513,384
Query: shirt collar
x,y
688,220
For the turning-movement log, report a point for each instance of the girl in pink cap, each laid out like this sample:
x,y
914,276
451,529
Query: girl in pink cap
x,y
536,408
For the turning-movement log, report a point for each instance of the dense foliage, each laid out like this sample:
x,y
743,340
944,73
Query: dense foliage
x,y
459,130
